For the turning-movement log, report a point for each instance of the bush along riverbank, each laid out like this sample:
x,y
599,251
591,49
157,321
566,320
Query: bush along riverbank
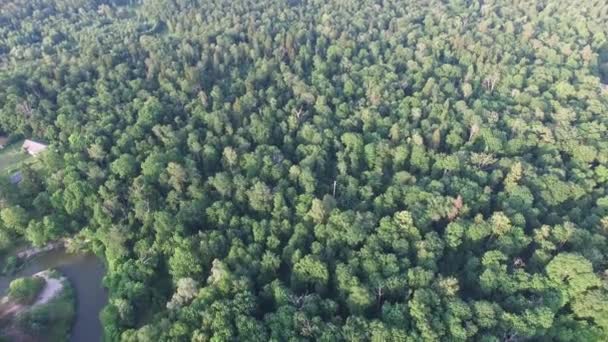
x,y
42,305
14,260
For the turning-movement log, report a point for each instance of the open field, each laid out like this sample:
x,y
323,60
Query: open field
x,y
11,157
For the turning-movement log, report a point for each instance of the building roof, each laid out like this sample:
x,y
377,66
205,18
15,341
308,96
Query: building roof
x,y
33,147
16,177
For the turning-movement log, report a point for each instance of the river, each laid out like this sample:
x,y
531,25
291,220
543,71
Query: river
x,y
85,272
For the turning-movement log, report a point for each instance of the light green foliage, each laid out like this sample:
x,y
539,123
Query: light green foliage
x,y
311,271
14,218
25,290
294,170
124,166
573,273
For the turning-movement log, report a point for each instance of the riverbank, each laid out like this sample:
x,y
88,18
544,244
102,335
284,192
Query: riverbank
x,y
16,259
85,273
49,317
31,252
52,286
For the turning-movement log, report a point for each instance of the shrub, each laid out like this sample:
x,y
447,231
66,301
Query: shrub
x,y
25,290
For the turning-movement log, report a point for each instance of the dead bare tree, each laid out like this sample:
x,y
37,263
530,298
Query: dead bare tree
x,y
308,329
299,114
25,109
379,294
510,337
298,301
490,82
457,205
473,131
519,262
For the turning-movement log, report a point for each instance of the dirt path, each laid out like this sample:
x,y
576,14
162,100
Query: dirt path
x,y
51,288
8,308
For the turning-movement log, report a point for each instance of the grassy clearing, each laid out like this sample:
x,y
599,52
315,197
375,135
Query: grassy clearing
x,y
11,157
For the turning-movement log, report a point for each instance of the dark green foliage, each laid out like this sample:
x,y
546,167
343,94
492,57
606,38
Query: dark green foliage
x,y
320,170
10,265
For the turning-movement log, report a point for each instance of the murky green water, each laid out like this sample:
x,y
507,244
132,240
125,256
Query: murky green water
x,y
85,273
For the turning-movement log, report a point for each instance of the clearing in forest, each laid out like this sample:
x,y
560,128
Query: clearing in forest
x,y
11,157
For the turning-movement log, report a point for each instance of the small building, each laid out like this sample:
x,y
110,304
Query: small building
x,y
33,148
16,177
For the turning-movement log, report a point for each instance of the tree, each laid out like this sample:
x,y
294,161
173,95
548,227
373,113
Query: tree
x,y
25,290
184,263
186,291
177,176
260,197
415,170
309,271
125,166
14,218
572,273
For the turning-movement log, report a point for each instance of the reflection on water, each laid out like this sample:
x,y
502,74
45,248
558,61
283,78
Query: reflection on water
x,y
85,273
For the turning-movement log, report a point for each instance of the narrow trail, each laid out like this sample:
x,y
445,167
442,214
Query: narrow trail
x,y
8,308
52,288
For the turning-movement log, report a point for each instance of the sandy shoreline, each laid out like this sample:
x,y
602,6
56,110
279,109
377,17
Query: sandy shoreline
x,y
33,251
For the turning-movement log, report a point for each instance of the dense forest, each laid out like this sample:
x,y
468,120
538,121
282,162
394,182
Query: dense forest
x,y
319,170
